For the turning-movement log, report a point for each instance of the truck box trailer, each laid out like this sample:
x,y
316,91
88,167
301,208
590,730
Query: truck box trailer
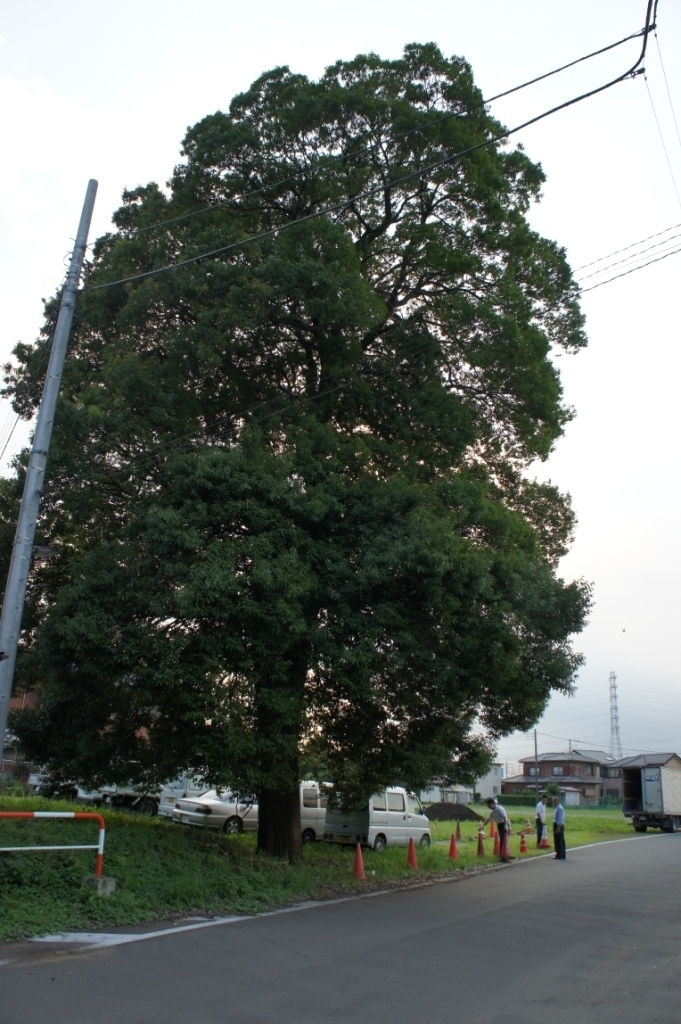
x,y
652,797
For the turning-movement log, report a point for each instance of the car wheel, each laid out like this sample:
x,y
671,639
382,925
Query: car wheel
x,y
425,842
379,843
146,807
640,828
308,836
233,826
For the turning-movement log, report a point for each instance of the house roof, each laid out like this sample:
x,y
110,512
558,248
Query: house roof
x,y
644,760
588,756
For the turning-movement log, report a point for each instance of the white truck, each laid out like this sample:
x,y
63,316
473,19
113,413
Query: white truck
x,y
651,791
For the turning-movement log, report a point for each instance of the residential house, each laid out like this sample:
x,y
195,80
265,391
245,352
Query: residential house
x,y
490,784
584,776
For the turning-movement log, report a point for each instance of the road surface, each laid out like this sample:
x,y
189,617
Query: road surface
x,y
594,939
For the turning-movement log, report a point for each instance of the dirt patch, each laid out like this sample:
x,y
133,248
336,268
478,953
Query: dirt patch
x,y
451,812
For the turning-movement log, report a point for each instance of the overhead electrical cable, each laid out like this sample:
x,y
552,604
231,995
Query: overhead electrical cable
x,y
624,273
669,95
664,145
648,238
331,160
628,259
632,72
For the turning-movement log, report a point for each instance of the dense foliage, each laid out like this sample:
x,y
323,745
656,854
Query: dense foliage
x,y
287,480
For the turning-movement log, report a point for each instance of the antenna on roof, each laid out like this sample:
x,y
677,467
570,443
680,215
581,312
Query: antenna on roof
x,y
615,744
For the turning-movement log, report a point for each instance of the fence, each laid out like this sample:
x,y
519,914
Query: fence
x,y
78,816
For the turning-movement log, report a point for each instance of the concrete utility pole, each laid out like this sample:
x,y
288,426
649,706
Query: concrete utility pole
x,y
22,551
536,767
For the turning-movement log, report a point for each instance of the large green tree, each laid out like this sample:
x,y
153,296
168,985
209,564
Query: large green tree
x,y
288,480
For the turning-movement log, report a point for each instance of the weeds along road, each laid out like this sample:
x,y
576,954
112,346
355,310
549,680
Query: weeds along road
x,y
592,940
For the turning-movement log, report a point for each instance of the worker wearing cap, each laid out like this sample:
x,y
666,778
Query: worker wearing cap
x,y
498,815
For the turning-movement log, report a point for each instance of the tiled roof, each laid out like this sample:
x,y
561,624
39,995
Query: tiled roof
x,y
643,760
568,755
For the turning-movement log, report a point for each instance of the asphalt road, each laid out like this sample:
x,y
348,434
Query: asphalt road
x,y
594,939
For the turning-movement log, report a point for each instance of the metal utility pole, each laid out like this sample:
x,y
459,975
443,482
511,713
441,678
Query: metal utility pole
x,y
615,744
536,767
22,551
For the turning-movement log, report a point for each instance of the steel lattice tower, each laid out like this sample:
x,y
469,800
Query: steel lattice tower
x,y
615,745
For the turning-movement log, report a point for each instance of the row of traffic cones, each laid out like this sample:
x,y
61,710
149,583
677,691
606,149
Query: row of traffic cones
x,y
412,859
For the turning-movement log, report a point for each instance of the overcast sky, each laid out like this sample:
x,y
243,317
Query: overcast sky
x,y
107,90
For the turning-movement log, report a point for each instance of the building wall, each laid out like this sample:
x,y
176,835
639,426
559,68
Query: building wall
x,y
490,784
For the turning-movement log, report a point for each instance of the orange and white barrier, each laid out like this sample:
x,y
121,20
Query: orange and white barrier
x,y
77,816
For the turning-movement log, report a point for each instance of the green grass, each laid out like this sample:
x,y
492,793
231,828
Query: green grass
x,y
165,871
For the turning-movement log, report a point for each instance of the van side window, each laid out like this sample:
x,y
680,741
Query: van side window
x,y
395,801
378,802
323,800
309,798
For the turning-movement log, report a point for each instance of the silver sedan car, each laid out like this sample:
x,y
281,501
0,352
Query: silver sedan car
x,y
219,809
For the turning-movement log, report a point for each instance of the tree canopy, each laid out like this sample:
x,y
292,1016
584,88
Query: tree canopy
x,y
289,481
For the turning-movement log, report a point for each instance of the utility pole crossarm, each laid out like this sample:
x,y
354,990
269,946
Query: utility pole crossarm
x,y
22,550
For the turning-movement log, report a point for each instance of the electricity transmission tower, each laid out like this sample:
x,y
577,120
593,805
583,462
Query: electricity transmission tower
x,y
615,745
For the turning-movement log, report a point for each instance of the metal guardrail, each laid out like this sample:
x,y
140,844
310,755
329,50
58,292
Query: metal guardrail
x,y
75,815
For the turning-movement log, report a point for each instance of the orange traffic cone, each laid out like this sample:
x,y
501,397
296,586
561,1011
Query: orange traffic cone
x,y
523,843
458,831
358,867
544,844
492,829
528,827
497,848
411,856
453,852
481,843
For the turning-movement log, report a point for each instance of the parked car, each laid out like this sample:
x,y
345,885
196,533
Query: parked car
x,y
391,818
231,813
218,809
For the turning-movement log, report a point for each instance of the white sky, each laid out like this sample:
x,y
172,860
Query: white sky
x,y
107,90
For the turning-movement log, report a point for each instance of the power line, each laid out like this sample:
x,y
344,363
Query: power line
x,y
666,82
633,245
664,146
627,259
383,188
625,273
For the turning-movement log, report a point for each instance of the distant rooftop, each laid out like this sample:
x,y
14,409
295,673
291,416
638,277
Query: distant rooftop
x,y
589,756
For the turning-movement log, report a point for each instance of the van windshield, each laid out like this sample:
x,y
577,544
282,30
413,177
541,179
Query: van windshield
x,y
415,804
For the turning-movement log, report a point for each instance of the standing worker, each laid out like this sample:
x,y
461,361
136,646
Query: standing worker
x,y
558,828
498,815
540,818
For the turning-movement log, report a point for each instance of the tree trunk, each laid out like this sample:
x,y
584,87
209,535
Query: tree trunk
x,y
279,824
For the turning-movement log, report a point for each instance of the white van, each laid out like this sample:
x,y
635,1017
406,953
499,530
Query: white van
x,y
184,787
313,801
391,818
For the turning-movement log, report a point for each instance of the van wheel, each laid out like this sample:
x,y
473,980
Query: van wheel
x,y
232,826
640,828
308,836
147,807
379,843
425,842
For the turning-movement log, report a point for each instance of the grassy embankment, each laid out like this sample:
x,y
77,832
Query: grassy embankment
x,y
163,870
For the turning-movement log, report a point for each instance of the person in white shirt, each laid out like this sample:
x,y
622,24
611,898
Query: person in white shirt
x,y
540,818
498,815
